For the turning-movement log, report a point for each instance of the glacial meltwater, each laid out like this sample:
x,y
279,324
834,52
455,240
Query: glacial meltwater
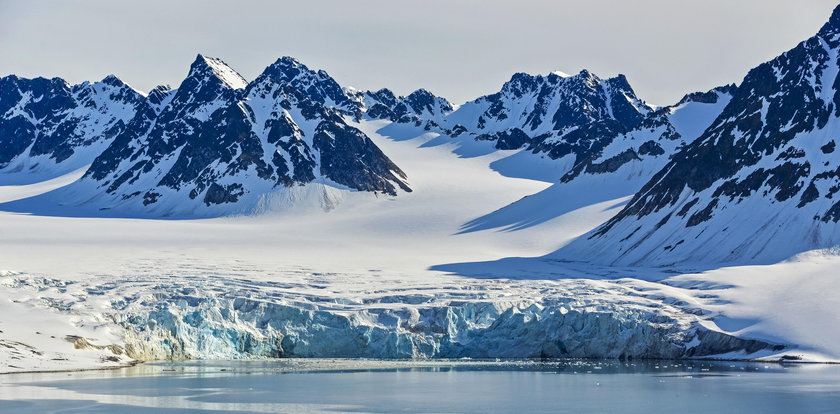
x,y
436,386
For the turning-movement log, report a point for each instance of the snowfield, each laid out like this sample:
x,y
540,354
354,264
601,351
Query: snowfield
x,y
456,268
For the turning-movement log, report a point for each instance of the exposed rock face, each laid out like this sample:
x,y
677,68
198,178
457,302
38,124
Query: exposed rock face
x,y
556,114
646,148
421,107
220,140
48,126
758,185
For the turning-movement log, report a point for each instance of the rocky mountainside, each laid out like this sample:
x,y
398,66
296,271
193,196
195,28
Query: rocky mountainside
x,y
48,127
733,167
557,114
420,107
218,143
758,185
616,171
643,150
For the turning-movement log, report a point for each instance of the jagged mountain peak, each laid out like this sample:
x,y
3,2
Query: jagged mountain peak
x,y
288,69
538,104
54,82
556,114
204,66
210,83
620,81
422,99
113,80
421,92
48,127
710,96
111,85
522,83
303,83
159,95
159,91
419,107
759,184
163,88
37,85
585,75
384,96
208,148
832,26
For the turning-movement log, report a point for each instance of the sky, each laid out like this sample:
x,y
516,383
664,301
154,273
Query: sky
x,y
459,49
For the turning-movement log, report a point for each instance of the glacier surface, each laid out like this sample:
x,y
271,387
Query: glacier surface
x,y
183,317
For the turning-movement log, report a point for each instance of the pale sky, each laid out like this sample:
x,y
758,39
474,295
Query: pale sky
x,y
459,49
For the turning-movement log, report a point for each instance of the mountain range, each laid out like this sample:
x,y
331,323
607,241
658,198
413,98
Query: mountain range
x,y
743,172
756,185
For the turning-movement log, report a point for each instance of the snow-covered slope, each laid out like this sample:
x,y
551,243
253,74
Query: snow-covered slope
x,y
724,175
617,171
758,186
558,115
641,152
355,282
351,282
219,145
49,128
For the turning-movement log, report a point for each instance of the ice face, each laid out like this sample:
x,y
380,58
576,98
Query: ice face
x,y
187,328
188,318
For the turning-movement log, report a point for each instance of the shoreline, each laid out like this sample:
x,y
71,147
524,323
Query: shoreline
x,y
419,362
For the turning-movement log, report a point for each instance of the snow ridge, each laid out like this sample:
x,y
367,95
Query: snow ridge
x,y
225,73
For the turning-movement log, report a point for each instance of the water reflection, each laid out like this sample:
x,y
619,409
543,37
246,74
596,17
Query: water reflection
x,y
431,386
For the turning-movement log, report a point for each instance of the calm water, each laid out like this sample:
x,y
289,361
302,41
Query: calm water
x,y
297,386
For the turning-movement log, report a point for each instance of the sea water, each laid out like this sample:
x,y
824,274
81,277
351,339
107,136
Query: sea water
x,y
464,386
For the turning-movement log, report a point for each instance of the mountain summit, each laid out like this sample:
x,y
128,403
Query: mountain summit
x,y
760,184
218,144
556,115
48,128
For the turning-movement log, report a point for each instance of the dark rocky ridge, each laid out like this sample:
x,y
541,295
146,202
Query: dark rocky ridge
x,y
49,120
767,153
648,139
552,115
216,143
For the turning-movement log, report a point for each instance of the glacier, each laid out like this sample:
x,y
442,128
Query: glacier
x,y
180,318
337,266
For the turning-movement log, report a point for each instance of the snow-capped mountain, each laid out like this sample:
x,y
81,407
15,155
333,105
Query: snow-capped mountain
x,y
48,127
557,114
297,80
642,151
420,107
759,185
620,168
219,144
746,173
159,97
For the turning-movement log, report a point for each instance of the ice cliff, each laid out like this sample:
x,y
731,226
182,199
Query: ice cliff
x,y
184,318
